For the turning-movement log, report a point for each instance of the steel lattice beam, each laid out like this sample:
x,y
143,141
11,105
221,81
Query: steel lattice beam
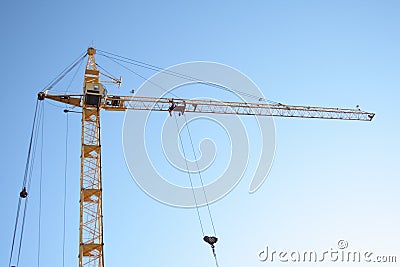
x,y
122,103
91,214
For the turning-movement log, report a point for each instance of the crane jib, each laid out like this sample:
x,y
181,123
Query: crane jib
x,y
122,103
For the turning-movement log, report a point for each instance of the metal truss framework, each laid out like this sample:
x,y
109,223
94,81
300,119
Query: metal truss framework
x,y
91,217
122,103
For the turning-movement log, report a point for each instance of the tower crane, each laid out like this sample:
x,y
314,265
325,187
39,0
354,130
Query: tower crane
x,y
94,98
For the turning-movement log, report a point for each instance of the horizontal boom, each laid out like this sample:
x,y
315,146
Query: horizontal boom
x,y
122,103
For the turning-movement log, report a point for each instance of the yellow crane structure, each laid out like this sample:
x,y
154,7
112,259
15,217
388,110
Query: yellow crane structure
x,y
95,98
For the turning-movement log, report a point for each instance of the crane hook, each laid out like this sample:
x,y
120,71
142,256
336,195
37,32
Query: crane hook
x,y
211,240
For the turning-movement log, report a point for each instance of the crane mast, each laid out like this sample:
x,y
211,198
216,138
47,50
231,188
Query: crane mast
x,y
91,212
94,98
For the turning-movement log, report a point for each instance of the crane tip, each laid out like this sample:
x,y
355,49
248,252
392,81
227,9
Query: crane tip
x,y
371,116
91,51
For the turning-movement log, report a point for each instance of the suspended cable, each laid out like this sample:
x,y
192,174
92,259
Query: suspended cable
x,y
148,66
15,231
75,74
208,239
144,78
36,136
31,141
211,240
29,179
190,177
177,74
22,231
23,195
199,172
215,257
65,72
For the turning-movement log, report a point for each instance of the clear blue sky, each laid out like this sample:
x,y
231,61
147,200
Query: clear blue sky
x,y
330,180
